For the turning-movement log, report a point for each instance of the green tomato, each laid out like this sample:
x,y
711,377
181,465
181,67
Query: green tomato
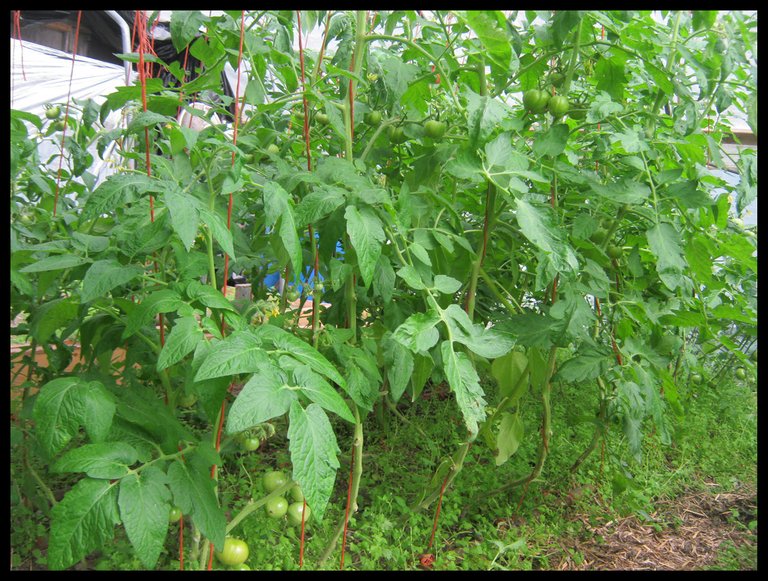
x,y
174,515
187,400
235,552
434,129
741,373
556,79
295,511
397,135
696,379
296,494
292,295
373,118
250,444
558,106
58,125
535,100
615,252
241,567
274,480
319,287
598,237
323,119
53,112
273,149
277,507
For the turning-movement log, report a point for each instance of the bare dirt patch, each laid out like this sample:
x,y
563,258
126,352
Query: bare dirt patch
x,y
684,534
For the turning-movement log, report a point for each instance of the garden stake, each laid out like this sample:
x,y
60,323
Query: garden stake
x,y
17,28
66,113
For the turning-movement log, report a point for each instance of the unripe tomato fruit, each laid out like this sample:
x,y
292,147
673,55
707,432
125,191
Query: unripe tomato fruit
x,y
741,373
53,112
536,100
58,125
397,135
434,129
598,237
373,118
235,552
556,79
292,294
558,106
294,513
241,567
615,252
296,494
174,515
696,379
277,507
274,480
250,444
323,119
319,287
273,149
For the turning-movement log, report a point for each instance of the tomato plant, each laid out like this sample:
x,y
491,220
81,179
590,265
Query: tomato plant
x,y
277,507
526,258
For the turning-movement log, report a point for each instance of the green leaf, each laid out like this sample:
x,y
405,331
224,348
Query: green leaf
x,y
263,397
589,363
278,207
241,352
67,403
609,73
485,342
185,27
294,347
194,493
384,282
219,230
510,435
420,253
50,316
399,365
58,262
162,301
494,38
664,242
511,373
537,225
104,275
484,115
208,296
102,460
116,191
551,142
422,370
83,521
181,341
411,277
366,235
317,204
144,504
625,191
185,217
418,331
314,452
465,383
321,392
144,119
446,284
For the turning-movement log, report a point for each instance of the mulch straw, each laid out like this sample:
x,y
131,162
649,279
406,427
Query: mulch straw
x,y
692,529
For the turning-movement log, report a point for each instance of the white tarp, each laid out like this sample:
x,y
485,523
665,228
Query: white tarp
x,y
40,75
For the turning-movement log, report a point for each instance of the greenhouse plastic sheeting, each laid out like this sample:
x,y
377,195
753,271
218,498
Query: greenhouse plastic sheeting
x,y
40,75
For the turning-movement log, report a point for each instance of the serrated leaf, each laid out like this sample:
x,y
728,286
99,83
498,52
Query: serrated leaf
x,y
589,363
537,226
418,331
317,204
116,190
193,492
664,242
265,396
181,341
411,277
321,392
366,235
83,521
58,262
511,373
509,438
384,282
50,316
144,503
185,26
208,296
300,350
241,352
185,217
551,142
399,365
219,230
101,460
67,403
488,343
465,384
104,275
484,114
162,301
314,451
